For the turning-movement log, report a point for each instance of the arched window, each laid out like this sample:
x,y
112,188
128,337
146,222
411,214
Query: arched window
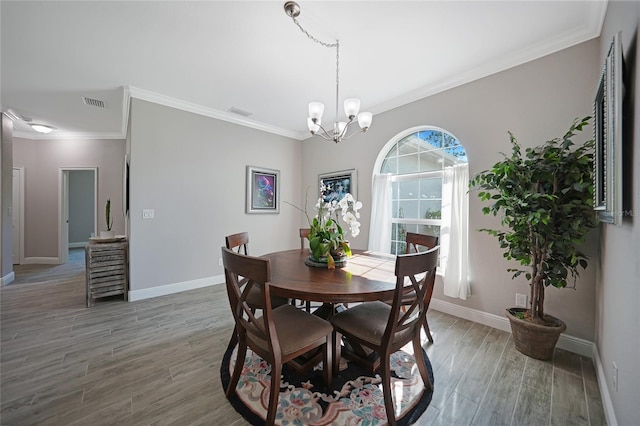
x,y
425,172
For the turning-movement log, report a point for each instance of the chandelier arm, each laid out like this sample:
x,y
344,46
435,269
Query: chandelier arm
x,y
344,131
353,133
324,134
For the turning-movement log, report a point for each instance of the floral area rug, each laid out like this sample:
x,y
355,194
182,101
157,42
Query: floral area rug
x,y
355,398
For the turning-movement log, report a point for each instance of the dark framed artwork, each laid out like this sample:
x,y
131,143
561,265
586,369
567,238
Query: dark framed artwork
x,y
263,190
607,132
337,184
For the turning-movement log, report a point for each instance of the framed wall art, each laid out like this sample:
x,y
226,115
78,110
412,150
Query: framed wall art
x,y
263,190
337,184
607,132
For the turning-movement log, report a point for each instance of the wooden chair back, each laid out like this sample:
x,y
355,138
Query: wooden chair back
x,y
414,240
257,272
304,234
238,242
420,270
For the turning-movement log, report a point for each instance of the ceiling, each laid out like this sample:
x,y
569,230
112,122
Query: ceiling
x,y
210,56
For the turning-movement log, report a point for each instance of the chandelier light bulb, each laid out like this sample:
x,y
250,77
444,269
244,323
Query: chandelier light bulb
x,y
316,109
313,126
364,120
351,107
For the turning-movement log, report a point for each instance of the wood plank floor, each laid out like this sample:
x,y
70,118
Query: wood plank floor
x,y
157,361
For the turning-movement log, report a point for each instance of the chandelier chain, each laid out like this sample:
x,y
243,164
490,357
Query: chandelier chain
x,y
312,37
329,45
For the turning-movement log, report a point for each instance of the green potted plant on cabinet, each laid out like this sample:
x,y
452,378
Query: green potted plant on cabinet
x,y
109,233
545,199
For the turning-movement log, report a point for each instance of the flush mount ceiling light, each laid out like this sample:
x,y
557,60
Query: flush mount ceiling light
x,y
42,128
316,109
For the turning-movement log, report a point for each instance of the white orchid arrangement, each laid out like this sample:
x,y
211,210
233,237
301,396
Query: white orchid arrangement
x,y
325,232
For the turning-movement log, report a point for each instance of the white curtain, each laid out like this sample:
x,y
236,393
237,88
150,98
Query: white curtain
x,y
380,227
454,241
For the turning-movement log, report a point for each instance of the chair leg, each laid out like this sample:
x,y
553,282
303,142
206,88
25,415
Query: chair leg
x,y
422,366
242,352
328,362
233,341
274,392
427,330
385,370
336,348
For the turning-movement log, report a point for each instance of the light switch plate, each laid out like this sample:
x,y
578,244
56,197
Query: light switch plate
x,y
147,214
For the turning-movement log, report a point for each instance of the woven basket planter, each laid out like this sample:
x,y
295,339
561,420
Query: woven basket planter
x,y
536,341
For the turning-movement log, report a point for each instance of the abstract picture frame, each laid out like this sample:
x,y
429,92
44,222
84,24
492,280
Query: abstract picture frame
x,y
263,190
607,132
337,184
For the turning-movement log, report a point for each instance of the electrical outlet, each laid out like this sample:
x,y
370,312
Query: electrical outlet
x,y
615,377
521,300
147,214
219,261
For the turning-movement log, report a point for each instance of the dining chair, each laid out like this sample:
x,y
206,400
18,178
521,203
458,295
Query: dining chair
x,y
384,329
413,241
240,244
279,335
304,234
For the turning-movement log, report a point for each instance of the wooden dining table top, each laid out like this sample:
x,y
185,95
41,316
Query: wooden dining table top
x,y
367,276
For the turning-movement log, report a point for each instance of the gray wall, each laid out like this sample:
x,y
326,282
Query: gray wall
x,y
42,160
81,206
191,170
618,289
6,200
536,101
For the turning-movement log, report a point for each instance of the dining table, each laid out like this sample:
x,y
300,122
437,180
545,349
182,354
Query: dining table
x,y
367,276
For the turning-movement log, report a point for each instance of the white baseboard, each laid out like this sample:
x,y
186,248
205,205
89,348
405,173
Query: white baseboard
x,y
607,404
566,342
7,279
147,293
78,245
41,260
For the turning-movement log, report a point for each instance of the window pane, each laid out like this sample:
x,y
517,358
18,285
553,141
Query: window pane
x,y
409,190
390,165
430,209
393,248
429,162
395,210
408,164
409,145
394,190
408,208
431,188
429,230
433,139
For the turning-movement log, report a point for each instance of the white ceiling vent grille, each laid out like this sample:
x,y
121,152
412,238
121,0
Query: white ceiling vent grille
x,y
240,111
93,102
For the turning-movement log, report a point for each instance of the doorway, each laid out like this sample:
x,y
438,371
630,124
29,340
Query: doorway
x,y
18,215
78,218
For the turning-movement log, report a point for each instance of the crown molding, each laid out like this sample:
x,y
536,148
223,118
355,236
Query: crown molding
x,y
157,98
66,135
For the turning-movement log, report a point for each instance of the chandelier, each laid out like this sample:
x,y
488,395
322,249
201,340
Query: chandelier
x,y
316,109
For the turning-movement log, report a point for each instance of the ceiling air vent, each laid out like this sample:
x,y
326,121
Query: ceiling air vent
x,y
240,111
93,102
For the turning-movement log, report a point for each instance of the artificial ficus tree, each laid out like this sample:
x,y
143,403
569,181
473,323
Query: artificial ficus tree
x,y
545,199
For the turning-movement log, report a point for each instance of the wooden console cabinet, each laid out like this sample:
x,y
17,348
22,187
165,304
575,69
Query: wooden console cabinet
x,y
107,267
